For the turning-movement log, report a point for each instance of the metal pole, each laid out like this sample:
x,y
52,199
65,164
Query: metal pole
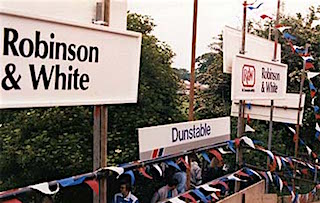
x,y
240,126
192,78
272,101
303,76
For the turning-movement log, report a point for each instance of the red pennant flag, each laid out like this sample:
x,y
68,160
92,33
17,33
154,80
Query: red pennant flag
x,y
94,185
273,166
285,183
248,118
304,171
318,117
264,16
314,155
12,201
313,93
237,142
184,162
216,154
240,173
309,65
188,196
142,170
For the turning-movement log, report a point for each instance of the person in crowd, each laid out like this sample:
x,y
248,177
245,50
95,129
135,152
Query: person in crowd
x,y
195,171
166,192
125,195
181,177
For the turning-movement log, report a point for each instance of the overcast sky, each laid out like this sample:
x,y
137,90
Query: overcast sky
x,y
174,20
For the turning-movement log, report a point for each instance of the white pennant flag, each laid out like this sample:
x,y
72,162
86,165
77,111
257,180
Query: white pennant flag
x,y
310,166
281,29
156,166
249,129
317,127
292,130
257,174
214,196
280,184
118,170
44,188
279,162
176,200
306,58
248,141
312,101
270,176
309,150
312,75
232,177
209,189
221,150
292,196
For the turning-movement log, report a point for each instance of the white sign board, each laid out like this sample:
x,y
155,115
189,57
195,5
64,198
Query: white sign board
x,y
255,47
46,62
174,138
285,111
257,79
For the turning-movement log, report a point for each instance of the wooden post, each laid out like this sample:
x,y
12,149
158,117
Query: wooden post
x,y
240,126
192,73
100,130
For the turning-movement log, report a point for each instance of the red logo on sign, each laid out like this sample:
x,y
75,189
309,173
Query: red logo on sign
x,y
248,76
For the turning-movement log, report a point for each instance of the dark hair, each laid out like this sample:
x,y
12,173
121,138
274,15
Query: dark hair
x,y
172,182
126,183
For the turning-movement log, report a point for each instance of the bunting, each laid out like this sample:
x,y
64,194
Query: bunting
x,y
44,188
249,129
264,16
94,185
257,7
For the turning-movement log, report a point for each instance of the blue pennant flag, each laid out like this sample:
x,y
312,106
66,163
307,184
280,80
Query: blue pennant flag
x,y
251,7
302,142
200,195
71,181
312,87
316,109
173,164
317,135
231,146
249,106
206,157
131,175
288,36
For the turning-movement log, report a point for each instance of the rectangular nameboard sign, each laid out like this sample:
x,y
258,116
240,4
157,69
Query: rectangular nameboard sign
x,y
174,138
46,62
257,79
285,111
256,47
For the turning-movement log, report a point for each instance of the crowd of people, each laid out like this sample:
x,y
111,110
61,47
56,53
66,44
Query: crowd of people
x,y
176,181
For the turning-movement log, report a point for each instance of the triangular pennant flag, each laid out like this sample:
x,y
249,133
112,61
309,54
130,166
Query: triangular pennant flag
x,y
317,135
131,174
288,36
232,177
216,154
118,170
309,150
188,196
251,172
206,187
44,188
248,141
12,201
292,130
200,195
264,16
231,146
249,129
94,185
283,28
206,157
221,150
278,162
184,162
269,175
312,74
214,196
156,166
71,181
312,100
257,7
317,127
240,173
237,142
176,200
300,50
280,184
308,58
316,109
309,65
142,170
173,164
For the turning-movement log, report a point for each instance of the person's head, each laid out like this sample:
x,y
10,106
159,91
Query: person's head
x,y
125,188
172,183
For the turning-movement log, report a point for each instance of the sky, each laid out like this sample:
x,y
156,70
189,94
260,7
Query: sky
x,y
174,20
